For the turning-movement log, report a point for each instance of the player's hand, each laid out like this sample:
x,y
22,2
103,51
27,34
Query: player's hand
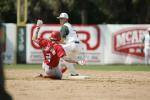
x,y
62,41
38,25
39,75
33,38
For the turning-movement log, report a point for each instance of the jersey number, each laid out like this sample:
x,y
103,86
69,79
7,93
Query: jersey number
x,y
48,57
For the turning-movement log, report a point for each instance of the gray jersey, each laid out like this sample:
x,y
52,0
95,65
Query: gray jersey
x,y
68,32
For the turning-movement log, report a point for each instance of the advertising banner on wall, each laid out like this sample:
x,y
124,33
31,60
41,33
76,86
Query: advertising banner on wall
x,y
10,43
90,35
124,43
103,44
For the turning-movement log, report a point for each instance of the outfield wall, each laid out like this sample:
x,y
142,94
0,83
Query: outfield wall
x,y
89,34
103,44
10,43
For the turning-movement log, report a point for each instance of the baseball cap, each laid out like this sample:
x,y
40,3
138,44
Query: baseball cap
x,y
63,15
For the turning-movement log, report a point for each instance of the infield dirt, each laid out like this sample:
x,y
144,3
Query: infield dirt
x,y
101,85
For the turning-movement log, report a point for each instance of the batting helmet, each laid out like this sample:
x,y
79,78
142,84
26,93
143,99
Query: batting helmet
x,y
55,36
43,43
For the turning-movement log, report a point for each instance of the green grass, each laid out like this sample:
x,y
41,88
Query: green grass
x,y
117,67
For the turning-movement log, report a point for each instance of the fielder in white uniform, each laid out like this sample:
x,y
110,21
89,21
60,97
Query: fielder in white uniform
x,y
70,43
146,41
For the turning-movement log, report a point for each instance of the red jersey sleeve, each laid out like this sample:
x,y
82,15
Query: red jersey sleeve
x,y
60,51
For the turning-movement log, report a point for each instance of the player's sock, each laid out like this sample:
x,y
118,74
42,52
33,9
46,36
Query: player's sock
x,y
71,69
63,69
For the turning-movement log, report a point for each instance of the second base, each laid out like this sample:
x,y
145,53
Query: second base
x,y
78,77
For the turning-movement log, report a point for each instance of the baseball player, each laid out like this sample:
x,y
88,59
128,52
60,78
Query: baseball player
x,y
52,53
70,43
146,41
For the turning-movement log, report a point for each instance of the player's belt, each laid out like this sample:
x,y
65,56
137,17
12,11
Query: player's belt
x,y
76,42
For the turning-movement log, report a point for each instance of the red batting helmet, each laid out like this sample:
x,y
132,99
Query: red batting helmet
x,y
55,36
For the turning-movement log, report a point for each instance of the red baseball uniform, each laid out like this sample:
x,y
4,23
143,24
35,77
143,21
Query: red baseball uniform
x,y
52,52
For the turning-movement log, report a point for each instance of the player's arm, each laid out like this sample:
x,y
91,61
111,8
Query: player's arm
x,y
64,32
38,26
